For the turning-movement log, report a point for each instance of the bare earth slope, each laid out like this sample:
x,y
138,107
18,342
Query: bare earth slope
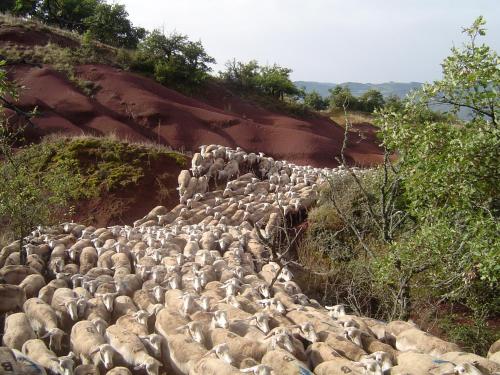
x,y
137,108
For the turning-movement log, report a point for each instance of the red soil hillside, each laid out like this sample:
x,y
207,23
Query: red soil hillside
x,y
137,108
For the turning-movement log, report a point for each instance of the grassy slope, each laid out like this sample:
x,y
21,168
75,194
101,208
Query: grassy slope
x,y
121,181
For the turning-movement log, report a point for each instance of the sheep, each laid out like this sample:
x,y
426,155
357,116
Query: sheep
x,y
132,350
482,364
367,342
494,348
343,366
96,309
319,352
12,297
15,274
345,347
17,331
184,353
123,305
119,371
183,181
64,302
37,350
213,366
135,323
90,345
32,285
231,170
88,259
7,250
421,342
43,320
421,364
86,370
284,363
239,347
47,292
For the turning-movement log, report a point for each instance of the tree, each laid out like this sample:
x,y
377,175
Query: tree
x,y
341,96
275,81
371,100
174,59
242,76
7,5
449,172
67,14
315,101
30,194
109,24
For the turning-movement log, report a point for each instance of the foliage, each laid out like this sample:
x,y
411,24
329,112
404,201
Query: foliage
x,y
450,175
29,196
107,23
474,337
341,96
270,80
104,164
440,180
343,241
315,101
372,100
173,59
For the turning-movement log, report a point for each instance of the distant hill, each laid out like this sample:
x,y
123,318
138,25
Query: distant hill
x,y
387,88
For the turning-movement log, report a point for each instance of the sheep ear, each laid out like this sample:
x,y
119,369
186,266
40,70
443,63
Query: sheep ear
x,y
47,334
139,367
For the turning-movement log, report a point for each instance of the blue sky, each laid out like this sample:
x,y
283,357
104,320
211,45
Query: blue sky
x,y
326,40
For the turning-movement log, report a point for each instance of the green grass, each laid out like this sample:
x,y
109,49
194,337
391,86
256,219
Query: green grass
x,y
105,164
62,59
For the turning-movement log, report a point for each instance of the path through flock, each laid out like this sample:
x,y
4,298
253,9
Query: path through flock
x,y
193,290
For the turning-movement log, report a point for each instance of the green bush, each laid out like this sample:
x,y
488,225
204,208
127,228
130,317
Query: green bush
x,y
173,60
272,81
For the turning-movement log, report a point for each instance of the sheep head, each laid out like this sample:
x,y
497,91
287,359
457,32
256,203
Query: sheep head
x,y
466,369
100,325
108,299
222,352
153,341
382,358
141,316
262,321
258,370
204,303
336,311
55,337
151,365
196,331
66,364
353,334
71,307
220,319
105,352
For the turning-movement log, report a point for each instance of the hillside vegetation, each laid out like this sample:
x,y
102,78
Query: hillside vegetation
x,y
418,236
113,182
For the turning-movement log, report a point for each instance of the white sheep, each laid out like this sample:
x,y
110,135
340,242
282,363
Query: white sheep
x,y
17,330
132,350
90,345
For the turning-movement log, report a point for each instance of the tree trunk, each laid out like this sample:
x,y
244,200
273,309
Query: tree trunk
x,y
22,251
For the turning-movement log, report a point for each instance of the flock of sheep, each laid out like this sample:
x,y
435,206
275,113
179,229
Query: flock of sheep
x,y
194,291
